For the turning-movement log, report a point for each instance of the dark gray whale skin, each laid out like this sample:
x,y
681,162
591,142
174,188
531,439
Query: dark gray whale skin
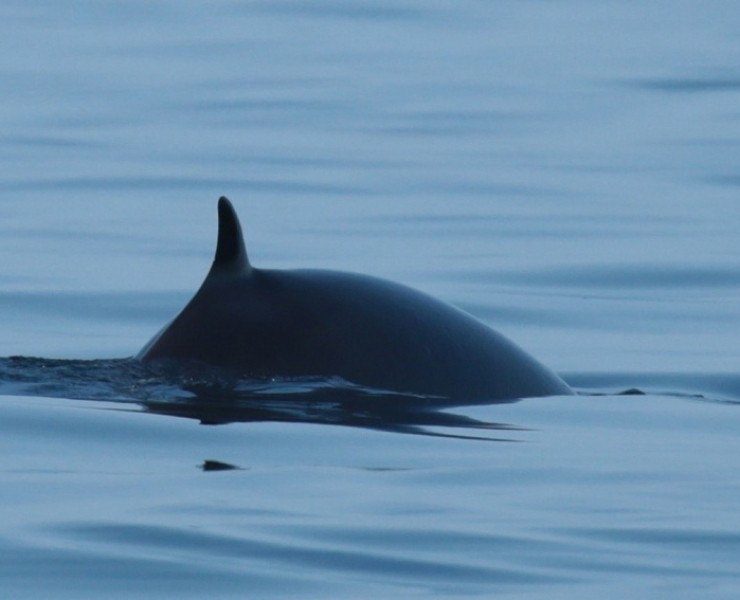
x,y
379,334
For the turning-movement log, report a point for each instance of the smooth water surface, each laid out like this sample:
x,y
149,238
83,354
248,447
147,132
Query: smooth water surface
x,y
567,172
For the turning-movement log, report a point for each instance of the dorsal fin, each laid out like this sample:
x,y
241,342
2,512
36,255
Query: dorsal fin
x,y
231,254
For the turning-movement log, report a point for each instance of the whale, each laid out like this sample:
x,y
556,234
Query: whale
x,y
368,332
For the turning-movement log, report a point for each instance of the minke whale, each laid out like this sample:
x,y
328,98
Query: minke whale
x,y
374,333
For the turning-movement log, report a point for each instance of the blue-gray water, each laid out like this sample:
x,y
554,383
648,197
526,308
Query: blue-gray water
x,y
566,171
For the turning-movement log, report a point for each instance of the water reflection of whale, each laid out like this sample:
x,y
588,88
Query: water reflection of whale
x,y
214,396
320,401
366,331
335,407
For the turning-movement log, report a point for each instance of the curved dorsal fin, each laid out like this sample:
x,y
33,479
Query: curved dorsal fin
x,y
231,254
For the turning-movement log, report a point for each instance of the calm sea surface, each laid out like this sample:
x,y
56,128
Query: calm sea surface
x,y
568,172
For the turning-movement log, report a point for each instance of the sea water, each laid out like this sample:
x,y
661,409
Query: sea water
x,y
567,172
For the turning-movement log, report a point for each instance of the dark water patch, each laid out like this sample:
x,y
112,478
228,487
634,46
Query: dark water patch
x,y
525,221
452,123
282,113
264,158
451,188
409,12
720,540
689,84
724,180
51,141
126,241
628,277
82,121
262,105
250,81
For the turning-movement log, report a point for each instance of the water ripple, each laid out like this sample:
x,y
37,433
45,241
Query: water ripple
x,y
253,553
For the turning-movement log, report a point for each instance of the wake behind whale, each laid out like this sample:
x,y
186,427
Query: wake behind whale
x,y
369,332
